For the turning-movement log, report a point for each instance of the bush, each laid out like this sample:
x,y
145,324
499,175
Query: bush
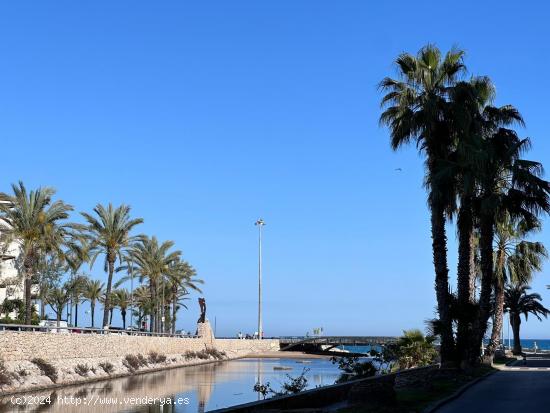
x,y
212,352
156,358
413,349
5,377
107,367
353,369
82,369
131,362
292,386
205,354
142,360
46,368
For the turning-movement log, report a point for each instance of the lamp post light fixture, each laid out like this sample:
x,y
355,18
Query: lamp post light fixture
x,y
260,223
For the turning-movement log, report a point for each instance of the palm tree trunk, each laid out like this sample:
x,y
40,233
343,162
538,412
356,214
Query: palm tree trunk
x,y
498,319
516,322
123,315
472,269
174,311
464,274
28,268
42,308
498,315
76,314
111,311
439,246
92,309
111,263
58,315
153,306
486,250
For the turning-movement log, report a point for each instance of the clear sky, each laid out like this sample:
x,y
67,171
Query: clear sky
x,y
206,115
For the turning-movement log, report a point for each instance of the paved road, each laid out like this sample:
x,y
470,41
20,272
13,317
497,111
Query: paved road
x,y
522,389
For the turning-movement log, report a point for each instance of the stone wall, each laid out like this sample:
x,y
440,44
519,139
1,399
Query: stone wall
x,y
68,353
15,346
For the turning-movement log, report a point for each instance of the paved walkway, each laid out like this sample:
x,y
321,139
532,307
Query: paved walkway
x,y
520,388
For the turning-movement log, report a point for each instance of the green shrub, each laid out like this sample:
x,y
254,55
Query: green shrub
x,y
46,368
107,367
82,369
414,349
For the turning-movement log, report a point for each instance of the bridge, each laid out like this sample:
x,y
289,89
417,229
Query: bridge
x,y
328,342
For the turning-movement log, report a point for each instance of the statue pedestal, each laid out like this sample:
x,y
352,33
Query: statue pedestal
x,y
205,332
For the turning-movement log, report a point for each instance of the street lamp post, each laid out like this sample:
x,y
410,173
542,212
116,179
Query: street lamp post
x,y
260,223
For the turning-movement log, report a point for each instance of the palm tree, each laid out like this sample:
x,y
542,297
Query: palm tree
x,y
144,303
416,110
93,293
508,185
121,298
37,223
77,286
181,280
482,163
57,297
516,260
467,102
108,233
518,302
153,263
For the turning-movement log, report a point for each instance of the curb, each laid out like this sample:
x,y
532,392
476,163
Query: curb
x,y
440,403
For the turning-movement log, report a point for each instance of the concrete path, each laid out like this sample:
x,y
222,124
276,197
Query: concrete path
x,y
520,388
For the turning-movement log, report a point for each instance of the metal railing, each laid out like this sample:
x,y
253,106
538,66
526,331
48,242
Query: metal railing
x,y
87,330
338,339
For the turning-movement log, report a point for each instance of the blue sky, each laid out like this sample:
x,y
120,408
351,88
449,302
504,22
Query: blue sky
x,y
204,116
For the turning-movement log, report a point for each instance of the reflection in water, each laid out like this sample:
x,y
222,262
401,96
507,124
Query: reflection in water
x,y
194,389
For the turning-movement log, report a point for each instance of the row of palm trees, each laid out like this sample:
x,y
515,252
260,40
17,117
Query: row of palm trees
x,y
52,248
475,174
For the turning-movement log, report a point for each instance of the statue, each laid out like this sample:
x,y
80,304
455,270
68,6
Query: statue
x,y
202,305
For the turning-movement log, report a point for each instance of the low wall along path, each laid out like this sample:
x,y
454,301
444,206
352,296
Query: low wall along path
x,y
66,351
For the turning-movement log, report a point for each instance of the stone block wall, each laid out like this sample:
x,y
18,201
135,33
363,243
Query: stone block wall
x,y
15,346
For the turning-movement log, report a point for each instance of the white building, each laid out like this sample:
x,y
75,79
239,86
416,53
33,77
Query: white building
x,y
11,285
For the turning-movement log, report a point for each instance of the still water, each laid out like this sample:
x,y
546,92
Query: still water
x,y
182,390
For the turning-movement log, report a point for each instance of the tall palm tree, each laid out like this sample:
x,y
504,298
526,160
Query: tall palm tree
x,y
181,279
516,260
93,293
518,302
38,225
416,110
508,185
153,262
108,233
467,101
482,165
